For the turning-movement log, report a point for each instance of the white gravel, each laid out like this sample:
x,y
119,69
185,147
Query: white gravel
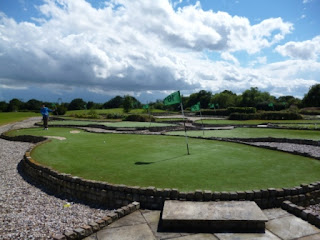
x,y
26,212
291,147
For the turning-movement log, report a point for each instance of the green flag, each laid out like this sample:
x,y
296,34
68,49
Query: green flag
x,y
211,105
195,107
145,106
270,104
173,98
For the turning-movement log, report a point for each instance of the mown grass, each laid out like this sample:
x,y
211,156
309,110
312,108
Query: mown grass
x,y
253,133
302,126
110,124
252,122
10,117
161,161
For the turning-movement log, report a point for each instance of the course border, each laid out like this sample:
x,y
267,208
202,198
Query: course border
x,y
114,195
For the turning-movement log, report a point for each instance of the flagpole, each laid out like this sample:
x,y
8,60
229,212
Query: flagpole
x,y
201,122
185,130
149,115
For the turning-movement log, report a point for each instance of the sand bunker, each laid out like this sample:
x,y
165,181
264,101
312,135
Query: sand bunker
x,y
75,131
56,137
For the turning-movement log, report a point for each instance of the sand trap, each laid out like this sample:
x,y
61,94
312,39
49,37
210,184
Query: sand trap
x,y
56,137
75,131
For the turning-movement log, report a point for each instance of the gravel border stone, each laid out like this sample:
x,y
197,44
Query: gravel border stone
x,y
26,212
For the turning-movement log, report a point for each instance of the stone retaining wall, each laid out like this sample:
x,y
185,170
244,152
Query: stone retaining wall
x,y
115,196
302,213
151,129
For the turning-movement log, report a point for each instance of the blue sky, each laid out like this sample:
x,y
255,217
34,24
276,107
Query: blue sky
x,y
95,50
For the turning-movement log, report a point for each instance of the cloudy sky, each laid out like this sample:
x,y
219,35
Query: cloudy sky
x,y
96,49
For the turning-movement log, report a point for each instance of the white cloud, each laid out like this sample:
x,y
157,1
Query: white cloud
x,y
229,57
134,46
307,50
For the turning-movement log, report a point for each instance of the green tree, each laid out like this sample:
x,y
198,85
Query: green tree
x,y
202,96
127,103
115,102
77,104
3,106
312,98
252,97
33,105
14,105
225,99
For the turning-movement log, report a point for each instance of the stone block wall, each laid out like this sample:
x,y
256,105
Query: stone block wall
x,y
115,196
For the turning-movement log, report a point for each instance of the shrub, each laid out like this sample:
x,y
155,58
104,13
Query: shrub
x,y
242,110
114,116
265,116
60,110
139,118
217,112
310,112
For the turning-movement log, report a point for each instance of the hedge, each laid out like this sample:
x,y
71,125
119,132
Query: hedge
x,y
265,116
217,112
242,110
139,118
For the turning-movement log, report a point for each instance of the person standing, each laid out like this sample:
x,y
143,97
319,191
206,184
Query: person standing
x,y
45,116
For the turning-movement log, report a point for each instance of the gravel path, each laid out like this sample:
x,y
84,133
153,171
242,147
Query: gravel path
x,y
26,212
291,147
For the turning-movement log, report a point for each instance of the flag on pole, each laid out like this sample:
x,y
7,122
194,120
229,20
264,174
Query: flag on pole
x,y
173,98
211,105
270,104
195,107
145,106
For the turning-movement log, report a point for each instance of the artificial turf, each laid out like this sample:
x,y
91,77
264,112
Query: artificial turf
x,y
161,161
253,122
253,133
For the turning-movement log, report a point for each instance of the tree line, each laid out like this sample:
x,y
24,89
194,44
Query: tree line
x,y
252,97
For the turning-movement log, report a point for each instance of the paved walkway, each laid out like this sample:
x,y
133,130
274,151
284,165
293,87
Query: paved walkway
x,y
143,225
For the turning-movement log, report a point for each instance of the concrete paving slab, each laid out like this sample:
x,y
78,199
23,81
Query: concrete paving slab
x,y
312,237
231,216
247,236
200,236
134,232
291,227
275,213
152,218
131,219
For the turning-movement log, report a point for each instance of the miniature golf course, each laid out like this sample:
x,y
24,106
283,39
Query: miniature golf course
x,y
161,161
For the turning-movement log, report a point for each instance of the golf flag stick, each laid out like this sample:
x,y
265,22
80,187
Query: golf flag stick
x,y
185,130
201,123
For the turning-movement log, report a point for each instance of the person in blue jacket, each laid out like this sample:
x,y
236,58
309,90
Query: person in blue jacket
x,y
45,116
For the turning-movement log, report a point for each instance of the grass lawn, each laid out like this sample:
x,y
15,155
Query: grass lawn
x,y
302,125
161,161
110,124
9,117
253,133
169,119
252,122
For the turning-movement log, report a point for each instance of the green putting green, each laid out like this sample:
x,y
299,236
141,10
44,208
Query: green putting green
x,y
252,122
123,124
161,161
253,133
